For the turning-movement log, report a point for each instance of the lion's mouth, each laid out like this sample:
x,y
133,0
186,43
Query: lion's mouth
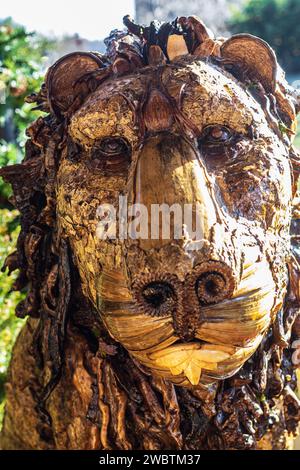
x,y
225,334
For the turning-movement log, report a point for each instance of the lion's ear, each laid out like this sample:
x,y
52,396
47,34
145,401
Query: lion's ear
x,y
64,75
255,56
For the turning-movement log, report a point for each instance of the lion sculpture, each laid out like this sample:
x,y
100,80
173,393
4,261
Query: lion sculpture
x,y
151,342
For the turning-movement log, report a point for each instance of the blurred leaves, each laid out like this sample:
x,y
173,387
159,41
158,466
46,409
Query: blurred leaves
x,y
8,156
22,63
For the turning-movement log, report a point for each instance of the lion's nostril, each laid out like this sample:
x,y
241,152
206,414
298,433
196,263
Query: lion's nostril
x,y
160,297
156,297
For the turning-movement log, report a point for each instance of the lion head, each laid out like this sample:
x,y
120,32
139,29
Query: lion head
x,y
170,117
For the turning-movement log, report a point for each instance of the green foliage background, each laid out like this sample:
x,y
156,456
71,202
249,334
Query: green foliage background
x,y
22,55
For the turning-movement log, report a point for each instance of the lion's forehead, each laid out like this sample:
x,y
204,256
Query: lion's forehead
x,y
203,93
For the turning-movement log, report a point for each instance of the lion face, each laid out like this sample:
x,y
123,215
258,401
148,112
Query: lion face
x,y
190,310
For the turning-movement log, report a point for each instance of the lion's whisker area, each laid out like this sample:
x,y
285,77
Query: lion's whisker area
x,y
158,248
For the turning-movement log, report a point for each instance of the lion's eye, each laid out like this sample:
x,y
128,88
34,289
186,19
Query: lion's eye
x,y
215,135
113,146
